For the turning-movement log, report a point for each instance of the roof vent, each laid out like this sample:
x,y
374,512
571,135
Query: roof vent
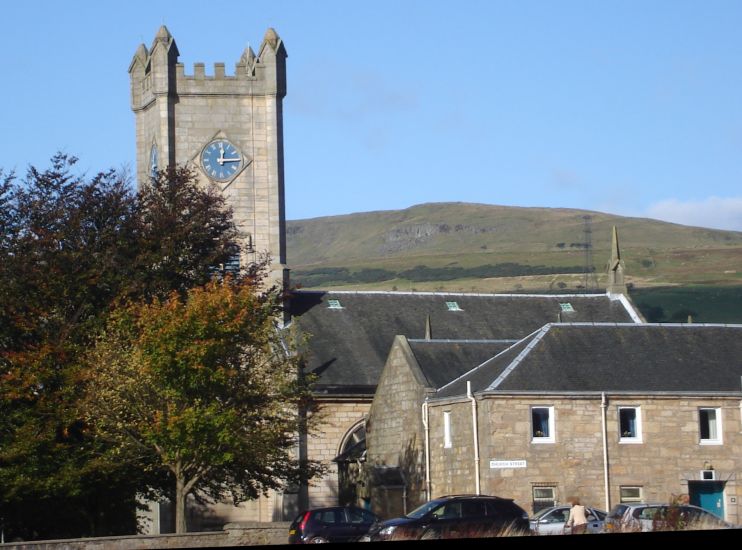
x,y
566,307
334,304
453,306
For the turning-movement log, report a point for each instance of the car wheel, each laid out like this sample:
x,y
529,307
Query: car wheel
x,y
318,540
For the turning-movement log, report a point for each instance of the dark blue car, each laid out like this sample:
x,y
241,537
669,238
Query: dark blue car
x,y
332,524
455,516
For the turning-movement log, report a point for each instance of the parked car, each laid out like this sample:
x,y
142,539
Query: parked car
x,y
332,524
660,517
455,516
551,521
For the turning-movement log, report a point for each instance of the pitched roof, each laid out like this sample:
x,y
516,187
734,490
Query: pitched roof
x,y
348,345
574,357
442,361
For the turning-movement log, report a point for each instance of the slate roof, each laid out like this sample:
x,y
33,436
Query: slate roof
x,y
349,346
442,361
566,357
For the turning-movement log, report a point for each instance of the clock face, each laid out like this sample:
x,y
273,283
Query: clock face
x,y
153,162
221,160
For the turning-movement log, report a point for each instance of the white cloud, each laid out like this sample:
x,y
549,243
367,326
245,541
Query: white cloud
x,y
713,212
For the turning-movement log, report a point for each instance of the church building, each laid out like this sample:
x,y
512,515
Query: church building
x,y
229,129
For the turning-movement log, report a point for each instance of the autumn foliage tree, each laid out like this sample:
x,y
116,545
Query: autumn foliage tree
x,y
71,249
206,385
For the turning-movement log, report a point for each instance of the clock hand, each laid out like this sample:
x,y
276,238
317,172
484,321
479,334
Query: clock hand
x,y
222,159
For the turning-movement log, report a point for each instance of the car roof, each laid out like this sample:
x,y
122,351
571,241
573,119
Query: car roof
x,y
325,508
471,496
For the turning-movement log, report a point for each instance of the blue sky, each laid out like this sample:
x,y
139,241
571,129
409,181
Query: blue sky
x,y
627,107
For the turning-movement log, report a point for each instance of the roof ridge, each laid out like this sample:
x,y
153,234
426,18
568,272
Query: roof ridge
x,y
438,293
504,374
469,372
465,340
645,325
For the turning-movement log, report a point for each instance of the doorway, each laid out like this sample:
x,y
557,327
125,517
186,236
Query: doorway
x,y
709,495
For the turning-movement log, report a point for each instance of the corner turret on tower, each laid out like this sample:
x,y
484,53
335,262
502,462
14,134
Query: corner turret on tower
x,y
616,283
185,119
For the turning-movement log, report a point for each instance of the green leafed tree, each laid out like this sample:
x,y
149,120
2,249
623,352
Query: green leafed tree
x,y
71,248
208,385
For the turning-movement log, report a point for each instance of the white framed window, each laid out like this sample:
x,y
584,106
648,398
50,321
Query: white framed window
x,y
709,426
542,424
567,307
543,497
629,424
334,304
447,429
453,306
631,493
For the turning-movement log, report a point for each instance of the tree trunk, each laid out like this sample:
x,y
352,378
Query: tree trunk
x,y
180,501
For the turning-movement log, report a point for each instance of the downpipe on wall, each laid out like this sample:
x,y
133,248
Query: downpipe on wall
x,y
427,449
475,433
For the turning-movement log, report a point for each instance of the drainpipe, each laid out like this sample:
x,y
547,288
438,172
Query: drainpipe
x,y
606,488
475,432
427,449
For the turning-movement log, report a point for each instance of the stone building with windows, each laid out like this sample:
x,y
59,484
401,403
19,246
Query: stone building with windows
x,y
228,127
351,333
608,412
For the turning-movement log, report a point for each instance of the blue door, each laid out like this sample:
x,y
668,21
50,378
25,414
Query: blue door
x,y
709,495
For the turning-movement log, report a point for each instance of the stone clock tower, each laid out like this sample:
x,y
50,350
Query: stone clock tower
x,y
229,128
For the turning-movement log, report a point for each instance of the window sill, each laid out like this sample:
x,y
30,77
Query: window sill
x,y
710,442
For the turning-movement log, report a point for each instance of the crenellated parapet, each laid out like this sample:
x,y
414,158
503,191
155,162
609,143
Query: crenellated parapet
x,y
226,125
156,72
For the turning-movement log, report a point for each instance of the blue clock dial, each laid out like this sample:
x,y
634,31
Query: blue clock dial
x,y
221,160
153,167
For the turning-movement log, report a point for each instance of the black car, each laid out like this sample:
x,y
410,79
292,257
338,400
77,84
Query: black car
x,y
455,516
333,524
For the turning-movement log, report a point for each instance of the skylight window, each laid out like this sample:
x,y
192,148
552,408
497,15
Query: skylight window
x,y
566,307
334,304
453,306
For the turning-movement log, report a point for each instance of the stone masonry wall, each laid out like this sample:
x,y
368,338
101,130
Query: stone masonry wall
x,y
339,418
668,457
394,435
234,534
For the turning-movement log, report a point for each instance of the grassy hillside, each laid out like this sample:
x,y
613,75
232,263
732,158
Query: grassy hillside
x,y
477,247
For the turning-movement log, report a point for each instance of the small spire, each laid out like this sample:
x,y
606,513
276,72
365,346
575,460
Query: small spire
x,y
428,329
142,52
248,56
615,252
616,283
163,34
272,38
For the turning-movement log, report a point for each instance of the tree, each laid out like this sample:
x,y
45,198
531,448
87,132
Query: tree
x,y
207,384
62,242
71,247
185,231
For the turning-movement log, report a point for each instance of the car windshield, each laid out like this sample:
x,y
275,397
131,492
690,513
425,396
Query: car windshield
x,y
542,513
618,511
420,511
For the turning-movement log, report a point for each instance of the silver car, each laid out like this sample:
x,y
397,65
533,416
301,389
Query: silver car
x,y
551,521
661,517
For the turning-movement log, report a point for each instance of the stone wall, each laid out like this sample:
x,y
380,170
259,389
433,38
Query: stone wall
x,y
338,418
394,435
668,457
234,534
